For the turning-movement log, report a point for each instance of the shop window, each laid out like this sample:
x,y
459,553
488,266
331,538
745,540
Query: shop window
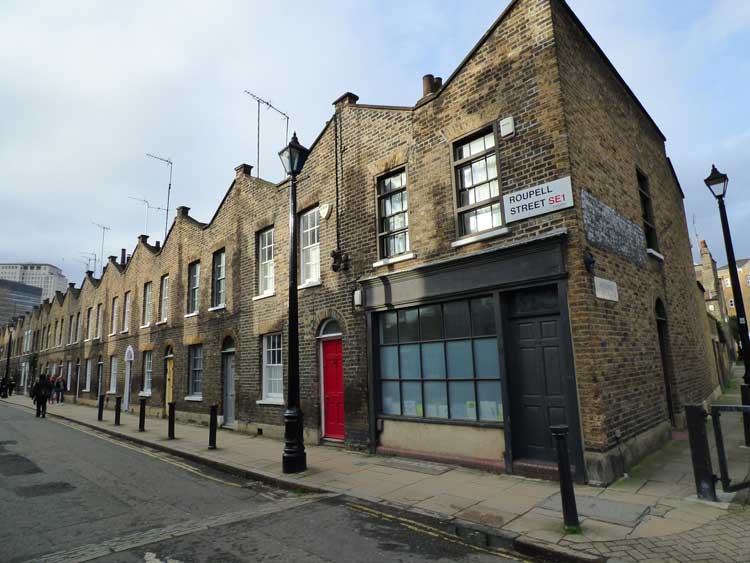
x,y
440,361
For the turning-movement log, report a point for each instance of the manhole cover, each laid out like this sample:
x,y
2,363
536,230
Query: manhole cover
x,y
426,467
44,489
14,464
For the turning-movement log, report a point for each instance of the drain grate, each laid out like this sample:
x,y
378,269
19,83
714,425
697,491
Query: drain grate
x,y
14,464
45,489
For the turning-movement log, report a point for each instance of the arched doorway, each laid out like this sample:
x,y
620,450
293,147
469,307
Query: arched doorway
x,y
168,375
331,380
129,355
228,381
663,333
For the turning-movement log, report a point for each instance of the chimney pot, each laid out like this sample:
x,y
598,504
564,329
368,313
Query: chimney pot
x,y
143,239
112,259
157,245
428,84
122,257
437,84
71,285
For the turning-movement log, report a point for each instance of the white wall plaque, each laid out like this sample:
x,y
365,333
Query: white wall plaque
x,y
606,289
538,200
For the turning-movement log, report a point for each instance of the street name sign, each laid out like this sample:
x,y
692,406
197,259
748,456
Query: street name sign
x,y
538,200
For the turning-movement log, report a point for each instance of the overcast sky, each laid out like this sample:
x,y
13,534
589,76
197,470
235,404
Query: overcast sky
x,y
87,88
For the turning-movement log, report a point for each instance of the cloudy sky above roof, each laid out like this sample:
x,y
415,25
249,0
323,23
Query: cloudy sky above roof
x,y
88,88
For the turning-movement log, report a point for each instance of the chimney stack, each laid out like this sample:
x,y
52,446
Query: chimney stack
x,y
123,261
243,170
437,84
143,239
157,246
183,212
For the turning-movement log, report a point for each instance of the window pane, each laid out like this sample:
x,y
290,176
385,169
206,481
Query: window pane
x,y
486,358
433,360
456,319
463,403
391,397
431,322
408,325
490,405
389,362
476,146
435,399
388,333
460,365
483,316
479,171
409,361
412,399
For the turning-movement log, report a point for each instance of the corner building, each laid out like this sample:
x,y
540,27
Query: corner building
x,y
509,253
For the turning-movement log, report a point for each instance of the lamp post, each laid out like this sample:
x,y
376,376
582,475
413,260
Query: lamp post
x,y
717,183
10,330
294,459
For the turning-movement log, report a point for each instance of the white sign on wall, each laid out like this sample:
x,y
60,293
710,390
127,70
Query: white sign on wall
x,y
541,199
606,289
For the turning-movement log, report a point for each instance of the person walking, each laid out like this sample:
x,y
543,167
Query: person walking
x,y
40,393
11,386
62,386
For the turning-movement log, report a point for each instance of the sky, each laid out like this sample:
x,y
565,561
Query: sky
x,y
88,88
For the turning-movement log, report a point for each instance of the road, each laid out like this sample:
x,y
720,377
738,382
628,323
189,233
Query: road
x,y
72,494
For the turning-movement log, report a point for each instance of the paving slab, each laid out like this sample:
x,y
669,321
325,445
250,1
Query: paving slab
x,y
602,509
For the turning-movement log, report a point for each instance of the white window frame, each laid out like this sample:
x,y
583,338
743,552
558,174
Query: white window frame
x,y
273,372
112,375
88,375
113,318
195,357
310,247
69,375
194,289
164,299
147,304
98,320
219,279
266,280
148,372
126,312
89,333
78,327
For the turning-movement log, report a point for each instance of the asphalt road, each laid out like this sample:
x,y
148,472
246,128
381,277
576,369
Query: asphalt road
x,y
72,494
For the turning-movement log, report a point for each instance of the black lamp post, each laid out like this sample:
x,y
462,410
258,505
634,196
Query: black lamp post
x,y
6,377
717,182
294,460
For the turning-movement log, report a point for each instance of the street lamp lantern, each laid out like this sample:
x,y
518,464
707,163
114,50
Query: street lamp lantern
x,y
293,156
294,459
717,182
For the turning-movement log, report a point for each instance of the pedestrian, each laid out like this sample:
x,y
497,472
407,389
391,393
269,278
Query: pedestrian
x,y
11,386
62,387
40,393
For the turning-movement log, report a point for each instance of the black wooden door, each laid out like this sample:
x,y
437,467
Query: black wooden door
x,y
537,384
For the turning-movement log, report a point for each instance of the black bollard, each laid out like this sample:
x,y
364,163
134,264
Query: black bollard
x,y
700,452
212,427
142,416
170,434
567,494
118,408
100,416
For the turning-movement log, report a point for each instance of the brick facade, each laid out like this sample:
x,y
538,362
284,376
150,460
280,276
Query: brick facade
x,y
573,117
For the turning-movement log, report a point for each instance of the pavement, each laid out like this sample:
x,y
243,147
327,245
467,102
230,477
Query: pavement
x,y
649,515
71,494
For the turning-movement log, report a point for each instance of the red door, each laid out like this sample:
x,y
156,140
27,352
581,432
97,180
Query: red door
x,y
333,389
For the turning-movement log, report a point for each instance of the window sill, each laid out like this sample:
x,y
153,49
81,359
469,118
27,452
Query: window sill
x,y
394,260
144,394
447,421
112,334
84,340
264,296
277,402
480,236
218,307
146,325
161,322
96,338
310,284
86,390
655,254
194,398
124,331
193,314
